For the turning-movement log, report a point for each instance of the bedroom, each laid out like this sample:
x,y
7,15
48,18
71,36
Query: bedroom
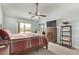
x,y
16,17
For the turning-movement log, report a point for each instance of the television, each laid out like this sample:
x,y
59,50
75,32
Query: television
x,y
51,23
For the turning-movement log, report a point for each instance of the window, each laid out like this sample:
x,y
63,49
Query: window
x,y
42,27
24,27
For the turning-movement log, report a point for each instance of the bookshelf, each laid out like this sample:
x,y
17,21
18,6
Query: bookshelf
x,y
66,35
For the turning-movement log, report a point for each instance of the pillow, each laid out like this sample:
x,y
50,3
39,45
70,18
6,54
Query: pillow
x,y
4,34
9,32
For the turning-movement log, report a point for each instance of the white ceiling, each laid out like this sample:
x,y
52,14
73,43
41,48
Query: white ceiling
x,y
43,7
52,10
22,9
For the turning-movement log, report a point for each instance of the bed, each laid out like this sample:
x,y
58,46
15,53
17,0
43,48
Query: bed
x,y
23,42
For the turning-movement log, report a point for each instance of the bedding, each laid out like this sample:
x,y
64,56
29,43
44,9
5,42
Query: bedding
x,y
4,34
22,41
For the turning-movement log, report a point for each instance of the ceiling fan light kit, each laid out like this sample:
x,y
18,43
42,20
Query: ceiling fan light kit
x,y
36,17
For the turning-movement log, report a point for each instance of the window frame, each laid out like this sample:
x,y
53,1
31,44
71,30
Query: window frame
x,y
24,27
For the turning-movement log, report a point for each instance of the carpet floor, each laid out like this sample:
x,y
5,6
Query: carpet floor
x,y
55,49
60,50
41,51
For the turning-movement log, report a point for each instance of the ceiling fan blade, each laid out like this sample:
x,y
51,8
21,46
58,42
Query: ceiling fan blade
x,y
36,14
43,15
32,16
30,13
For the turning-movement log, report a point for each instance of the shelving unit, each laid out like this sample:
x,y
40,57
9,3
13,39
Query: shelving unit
x,y
66,36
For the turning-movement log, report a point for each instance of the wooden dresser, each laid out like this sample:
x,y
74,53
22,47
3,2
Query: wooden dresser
x,y
51,34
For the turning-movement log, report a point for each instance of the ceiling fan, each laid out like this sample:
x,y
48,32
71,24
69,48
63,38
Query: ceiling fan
x,y
36,14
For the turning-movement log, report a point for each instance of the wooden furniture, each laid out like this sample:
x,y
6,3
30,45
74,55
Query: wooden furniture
x,y
20,43
51,34
66,36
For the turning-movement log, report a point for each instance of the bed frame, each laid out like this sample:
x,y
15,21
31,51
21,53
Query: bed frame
x,y
21,43
27,51
7,50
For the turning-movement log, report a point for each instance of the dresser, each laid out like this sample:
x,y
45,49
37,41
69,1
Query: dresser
x,y
51,34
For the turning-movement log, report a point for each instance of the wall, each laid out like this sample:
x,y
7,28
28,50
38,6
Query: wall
x,y
75,32
1,15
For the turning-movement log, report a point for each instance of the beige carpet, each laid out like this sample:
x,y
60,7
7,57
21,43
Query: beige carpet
x,y
55,49
42,51
60,50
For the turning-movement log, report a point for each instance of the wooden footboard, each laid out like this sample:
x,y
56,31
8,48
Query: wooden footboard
x,y
7,50
29,50
25,46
